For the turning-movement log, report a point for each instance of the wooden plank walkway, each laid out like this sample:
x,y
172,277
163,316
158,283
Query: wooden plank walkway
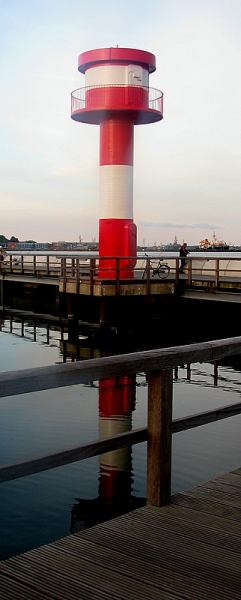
x,y
189,549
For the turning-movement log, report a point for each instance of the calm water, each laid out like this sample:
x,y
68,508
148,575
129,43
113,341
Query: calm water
x,y
41,508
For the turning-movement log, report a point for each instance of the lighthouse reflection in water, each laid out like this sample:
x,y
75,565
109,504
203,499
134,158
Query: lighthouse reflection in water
x,y
117,398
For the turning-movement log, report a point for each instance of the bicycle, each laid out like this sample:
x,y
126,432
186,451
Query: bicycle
x,y
160,269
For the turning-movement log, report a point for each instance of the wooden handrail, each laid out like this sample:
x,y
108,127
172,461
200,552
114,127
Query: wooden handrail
x,y
136,436
27,258
61,375
44,463
215,274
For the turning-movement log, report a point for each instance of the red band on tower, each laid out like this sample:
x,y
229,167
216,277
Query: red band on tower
x,y
116,142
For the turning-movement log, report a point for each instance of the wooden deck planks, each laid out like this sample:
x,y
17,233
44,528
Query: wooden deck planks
x,y
210,506
190,549
11,589
167,569
78,577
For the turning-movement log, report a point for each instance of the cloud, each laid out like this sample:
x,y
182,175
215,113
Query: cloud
x,y
181,225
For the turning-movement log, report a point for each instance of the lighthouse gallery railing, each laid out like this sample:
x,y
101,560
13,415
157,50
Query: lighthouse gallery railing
x,y
127,94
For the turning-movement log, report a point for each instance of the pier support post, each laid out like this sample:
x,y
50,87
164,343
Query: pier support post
x,y
2,290
160,388
72,316
104,314
71,310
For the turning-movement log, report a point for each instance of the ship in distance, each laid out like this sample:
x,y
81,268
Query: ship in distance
x,y
214,244
205,245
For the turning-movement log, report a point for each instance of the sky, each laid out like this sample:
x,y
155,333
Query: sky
x,y
187,167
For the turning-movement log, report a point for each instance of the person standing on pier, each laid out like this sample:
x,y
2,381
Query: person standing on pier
x,y
183,253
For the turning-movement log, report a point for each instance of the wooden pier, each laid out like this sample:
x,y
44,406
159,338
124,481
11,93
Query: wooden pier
x,y
189,549
69,287
79,275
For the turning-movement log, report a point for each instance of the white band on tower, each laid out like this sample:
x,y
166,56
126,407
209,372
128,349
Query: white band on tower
x,y
116,191
117,75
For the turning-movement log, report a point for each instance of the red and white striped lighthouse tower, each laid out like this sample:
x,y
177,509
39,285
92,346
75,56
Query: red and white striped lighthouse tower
x,y
116,96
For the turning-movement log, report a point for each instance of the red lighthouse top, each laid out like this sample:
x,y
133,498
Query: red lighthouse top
x,y
117,85
118,56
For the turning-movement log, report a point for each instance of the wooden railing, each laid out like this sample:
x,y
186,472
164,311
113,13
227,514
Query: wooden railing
x,y
158,366
85,269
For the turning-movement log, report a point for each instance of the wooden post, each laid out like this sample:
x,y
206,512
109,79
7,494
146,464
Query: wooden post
x,y
11,264
22,264
217,273
2,291
189,271
47,265
77,280
104,314
177,270
71,307
159,437
117,283
64,274
34,265
92,275
148,273
61,267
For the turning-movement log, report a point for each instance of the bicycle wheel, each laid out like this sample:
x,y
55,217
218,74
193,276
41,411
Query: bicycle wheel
x,y
163,271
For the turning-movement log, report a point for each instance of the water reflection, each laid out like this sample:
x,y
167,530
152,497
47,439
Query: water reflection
x,y
73,345
115,481
117,397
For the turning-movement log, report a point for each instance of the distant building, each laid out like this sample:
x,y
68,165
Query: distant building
x,y
28,246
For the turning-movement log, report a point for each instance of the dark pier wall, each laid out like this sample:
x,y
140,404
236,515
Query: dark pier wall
x,y
35,297
165,317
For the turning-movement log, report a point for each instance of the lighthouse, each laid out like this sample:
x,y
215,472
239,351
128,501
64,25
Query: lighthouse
x,y
116,96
